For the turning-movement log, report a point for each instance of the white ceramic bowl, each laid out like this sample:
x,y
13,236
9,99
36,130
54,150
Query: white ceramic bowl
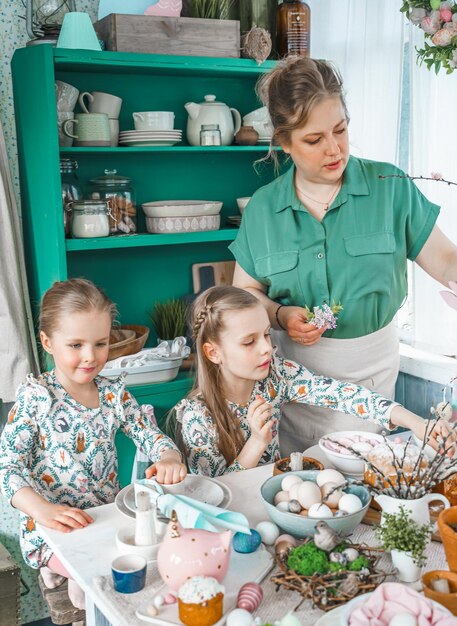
x,y
182,224
242,202
178,208
154,120
125,542
347,463
300,526
160,372
258,115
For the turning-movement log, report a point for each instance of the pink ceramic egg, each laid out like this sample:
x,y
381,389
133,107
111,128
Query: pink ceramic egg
x,y
249,597
187,552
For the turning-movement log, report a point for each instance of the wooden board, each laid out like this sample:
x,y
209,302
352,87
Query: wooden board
x,y
206,275
170,35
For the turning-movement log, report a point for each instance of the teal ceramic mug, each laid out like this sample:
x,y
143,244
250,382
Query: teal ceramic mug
x,y
89,129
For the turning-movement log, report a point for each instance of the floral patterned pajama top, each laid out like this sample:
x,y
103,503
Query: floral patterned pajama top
x,y
287,382
65,451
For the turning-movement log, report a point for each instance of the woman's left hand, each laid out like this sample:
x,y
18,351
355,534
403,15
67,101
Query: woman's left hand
x,y
168,470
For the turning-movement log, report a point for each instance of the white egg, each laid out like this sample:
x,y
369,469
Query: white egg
x,y
350,503
289,480
330,476
239,617
319,511
403,619
282,506
308,494
293,491
333,499
351,554
268,531
290,620
281,496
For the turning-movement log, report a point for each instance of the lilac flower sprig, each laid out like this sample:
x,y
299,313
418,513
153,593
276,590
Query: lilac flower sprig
x,y
323,315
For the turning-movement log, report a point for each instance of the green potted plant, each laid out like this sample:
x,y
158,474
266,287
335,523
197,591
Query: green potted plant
x,y
169,319
213,9
407,541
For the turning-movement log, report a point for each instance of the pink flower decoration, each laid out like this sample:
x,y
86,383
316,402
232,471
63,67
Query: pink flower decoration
x,y
442,37
436,176
429,25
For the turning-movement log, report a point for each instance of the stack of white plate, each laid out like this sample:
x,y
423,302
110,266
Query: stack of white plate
x,y
264,139
150,137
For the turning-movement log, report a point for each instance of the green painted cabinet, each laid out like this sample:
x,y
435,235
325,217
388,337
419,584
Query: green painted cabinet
x,y
135,270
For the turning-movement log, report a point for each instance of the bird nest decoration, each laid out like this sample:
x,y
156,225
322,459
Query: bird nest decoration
x,y
329,579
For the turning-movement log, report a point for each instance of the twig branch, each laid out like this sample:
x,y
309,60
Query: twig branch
x,y
438,180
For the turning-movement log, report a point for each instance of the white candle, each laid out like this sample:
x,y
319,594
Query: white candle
x,y
441,585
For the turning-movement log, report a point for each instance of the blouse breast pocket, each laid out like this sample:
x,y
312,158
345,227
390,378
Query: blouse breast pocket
x,y
371,262
279,271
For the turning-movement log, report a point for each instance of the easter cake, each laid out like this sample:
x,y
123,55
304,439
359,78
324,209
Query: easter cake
x,y
200,601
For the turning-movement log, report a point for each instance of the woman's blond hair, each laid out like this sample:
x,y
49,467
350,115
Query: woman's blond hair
x,y
209,315
293,88
76,295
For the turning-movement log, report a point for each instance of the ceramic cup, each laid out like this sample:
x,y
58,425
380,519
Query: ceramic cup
x,y
64,140
100,102
90,129
66,96
154,120
129,573
242,202
177,489
114,132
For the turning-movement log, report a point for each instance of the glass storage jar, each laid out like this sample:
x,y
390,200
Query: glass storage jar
x,y
117,191
210,135
89,219
71,190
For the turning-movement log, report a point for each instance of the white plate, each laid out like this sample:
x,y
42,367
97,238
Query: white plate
x,y
244,568
149,136
178,208
149,133
129,491
197,487
156,142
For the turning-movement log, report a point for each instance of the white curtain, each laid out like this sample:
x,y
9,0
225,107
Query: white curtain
x,y
17,347
364,38
433,149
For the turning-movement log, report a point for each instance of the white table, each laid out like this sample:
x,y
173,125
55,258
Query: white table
x,y
88,552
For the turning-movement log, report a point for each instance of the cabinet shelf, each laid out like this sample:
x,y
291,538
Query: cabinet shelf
x,y
123,150
150,239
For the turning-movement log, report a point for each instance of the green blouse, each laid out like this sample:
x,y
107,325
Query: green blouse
x,y
357,255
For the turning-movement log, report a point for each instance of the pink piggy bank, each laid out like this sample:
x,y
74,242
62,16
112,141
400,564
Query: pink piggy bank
x,y
187,552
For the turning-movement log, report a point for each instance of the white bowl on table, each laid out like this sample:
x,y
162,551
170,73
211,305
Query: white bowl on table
x,y
348,463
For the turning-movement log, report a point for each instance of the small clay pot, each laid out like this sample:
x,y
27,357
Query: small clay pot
x,y
247,136
449,600
282,466
449,535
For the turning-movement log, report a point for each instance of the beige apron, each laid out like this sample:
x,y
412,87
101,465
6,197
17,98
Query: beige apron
x,y
372,361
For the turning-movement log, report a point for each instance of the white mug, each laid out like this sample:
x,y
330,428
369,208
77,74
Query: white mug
x,y
154,120
100,102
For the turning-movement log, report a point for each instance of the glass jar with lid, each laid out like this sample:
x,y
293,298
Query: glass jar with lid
x,y
117,191
71,190
210,135
89,219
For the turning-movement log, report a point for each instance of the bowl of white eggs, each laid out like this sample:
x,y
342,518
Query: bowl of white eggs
x,y
296,501
336,448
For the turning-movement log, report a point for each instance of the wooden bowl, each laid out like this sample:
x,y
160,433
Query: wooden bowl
x,y
282,466
449,600
131,345
449,535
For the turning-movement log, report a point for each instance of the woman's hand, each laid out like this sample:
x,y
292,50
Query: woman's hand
x,y
169,469
61,517
259,414
440,430
293,319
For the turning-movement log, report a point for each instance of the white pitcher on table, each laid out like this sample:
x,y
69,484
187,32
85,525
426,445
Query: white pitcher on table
x,y
418,509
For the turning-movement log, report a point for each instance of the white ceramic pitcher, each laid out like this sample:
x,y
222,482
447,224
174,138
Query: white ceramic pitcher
x,y
212,112
417,508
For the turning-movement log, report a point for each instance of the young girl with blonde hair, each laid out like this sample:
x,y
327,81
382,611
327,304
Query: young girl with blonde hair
x,y
57,452
230,420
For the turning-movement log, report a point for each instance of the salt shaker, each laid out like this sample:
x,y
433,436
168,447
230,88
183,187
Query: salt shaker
x,y
145,534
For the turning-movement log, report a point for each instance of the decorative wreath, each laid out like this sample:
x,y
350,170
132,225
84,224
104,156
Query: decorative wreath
x,y
438,20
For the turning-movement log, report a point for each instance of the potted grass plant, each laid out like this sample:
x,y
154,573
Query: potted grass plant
x,y
406,540
214,9
169,319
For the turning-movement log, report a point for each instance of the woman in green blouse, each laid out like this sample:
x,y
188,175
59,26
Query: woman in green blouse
x,y
333,229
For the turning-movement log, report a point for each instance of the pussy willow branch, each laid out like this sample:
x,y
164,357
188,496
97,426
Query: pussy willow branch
x,y
438,180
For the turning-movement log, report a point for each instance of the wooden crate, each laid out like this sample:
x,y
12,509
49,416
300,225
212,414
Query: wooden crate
x,y
170,35
10,583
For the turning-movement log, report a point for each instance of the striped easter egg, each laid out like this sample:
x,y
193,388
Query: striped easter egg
x,y
249,597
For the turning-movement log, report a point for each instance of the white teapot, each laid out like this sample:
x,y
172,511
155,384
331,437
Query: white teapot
x,y
212,112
